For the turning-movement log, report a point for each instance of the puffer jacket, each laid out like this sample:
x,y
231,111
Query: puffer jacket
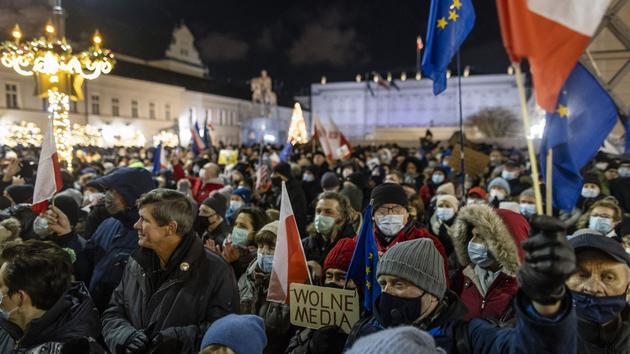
x,y
253,286
502,231
614,337
70,326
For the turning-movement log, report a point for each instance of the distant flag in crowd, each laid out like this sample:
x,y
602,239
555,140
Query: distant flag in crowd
x,y
320,134
197,143
339,144
286,152
362,268
552,35
207,138
450,21
48,180
369,87
627,125
159,159
262,175
583,118
289,260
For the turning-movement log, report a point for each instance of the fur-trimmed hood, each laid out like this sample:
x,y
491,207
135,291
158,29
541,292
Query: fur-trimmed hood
x,y
502,231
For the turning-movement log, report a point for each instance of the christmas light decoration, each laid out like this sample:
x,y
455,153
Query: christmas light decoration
x,y
24,133
167,138
86,135
297,130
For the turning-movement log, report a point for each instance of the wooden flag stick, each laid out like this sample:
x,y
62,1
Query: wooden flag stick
x,y
548,183
530,145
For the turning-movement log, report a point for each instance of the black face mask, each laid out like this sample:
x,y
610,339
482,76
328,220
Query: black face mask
x,y
276,182
201,224
396,311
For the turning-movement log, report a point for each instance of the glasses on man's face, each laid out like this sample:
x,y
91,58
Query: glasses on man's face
x,y
382,211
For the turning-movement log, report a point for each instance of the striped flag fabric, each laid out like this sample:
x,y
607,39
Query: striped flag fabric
x,y
159,159
48,180
289,260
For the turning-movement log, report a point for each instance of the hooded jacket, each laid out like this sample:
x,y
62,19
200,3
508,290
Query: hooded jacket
x,y
180,301
502,231
115,238
71,325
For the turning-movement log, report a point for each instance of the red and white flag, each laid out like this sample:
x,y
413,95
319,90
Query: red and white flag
x,y
48,180
552,34
319,133
338,142
289,261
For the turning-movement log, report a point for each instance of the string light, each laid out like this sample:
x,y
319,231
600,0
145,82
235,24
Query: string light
x,y
167,138
24,133
86,135
297,130
58,108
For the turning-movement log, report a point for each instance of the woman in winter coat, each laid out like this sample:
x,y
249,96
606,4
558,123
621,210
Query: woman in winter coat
x,y
253,286
487,244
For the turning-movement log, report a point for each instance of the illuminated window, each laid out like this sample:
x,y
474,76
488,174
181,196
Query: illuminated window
x,y
115,107
11,95
134,109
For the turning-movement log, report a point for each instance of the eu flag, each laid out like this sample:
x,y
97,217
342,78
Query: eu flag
x,y
286,152
362,267
450,21
157,160
584,117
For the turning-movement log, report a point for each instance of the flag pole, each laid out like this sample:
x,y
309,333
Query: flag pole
x,y
548,183
462,175
530,144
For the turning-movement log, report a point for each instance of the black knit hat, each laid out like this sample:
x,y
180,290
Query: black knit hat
x,y
284,169
389,193
69,207
592,178
218,203
20,193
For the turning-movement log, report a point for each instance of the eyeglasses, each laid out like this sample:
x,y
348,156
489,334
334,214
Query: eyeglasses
x,y
382,211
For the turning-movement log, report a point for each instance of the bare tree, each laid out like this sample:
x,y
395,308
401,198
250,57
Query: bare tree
x,y
494,122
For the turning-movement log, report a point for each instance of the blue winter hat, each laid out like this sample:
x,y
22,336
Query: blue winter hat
x,y
243,334
500,182
244,193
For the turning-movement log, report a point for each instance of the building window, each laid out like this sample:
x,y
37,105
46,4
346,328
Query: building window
x,y
115,107
45,104
134,109
73,106
96,104
11,95
167,111
151,110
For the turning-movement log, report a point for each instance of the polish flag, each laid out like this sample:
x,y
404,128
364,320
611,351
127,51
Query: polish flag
x,y
338,142
48,180
552,34
319,133
289,261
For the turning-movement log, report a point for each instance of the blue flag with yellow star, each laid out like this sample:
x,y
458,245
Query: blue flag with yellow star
x,y
584,117
362,267
450,21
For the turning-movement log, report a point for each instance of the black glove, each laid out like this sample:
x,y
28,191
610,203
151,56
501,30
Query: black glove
x,y
326,340
136,343
549,261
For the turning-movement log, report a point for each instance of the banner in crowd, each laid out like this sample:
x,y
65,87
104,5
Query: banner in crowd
x,y
314,307
228,157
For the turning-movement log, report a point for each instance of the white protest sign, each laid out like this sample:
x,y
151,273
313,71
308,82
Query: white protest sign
x,y
317,306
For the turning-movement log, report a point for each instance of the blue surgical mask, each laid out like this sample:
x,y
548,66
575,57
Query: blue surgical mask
x,y
589,192
598,223
599,309
308,178
265,262
390,225
324,224
40,227
437,178
527,209
624,171
235,204
478,254
509,175
445,214
240,236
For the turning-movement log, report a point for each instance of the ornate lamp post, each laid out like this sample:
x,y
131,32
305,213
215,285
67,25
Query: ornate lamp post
x,y
59,73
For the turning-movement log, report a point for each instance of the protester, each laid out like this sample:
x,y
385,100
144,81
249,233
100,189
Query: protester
x,y
512,170
240,197
235,334
330,182
239,249
498,190
19,194
487,243
282,173
210,223
43,310
188,287
201,186
599,289
404,339
443,218
414,292
603,216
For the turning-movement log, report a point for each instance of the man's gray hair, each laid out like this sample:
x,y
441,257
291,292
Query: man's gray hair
x,y
170,205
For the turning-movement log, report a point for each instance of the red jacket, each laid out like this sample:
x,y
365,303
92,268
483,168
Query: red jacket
x,y
199,190
411,232
498,300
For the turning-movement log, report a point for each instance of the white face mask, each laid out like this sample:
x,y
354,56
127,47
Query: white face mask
x,y
346,172
445,214
527,209
509,175
601,166
390,225
495,193
474,201
235,204
589,192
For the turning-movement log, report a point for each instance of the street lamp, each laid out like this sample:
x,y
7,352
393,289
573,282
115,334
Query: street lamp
x,y
59,73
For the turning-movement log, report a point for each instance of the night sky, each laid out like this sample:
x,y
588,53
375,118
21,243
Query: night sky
x,y
296,41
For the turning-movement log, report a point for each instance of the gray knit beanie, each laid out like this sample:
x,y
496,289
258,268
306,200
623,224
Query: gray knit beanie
x,y
418,262
500,182
405,339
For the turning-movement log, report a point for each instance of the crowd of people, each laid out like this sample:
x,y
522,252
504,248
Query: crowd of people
x,y
130,260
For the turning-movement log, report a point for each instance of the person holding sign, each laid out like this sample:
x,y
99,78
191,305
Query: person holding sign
x,y
328,339
414,292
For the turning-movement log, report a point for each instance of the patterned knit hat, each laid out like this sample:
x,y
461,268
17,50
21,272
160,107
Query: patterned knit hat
x,y
405,339
340,256
418,262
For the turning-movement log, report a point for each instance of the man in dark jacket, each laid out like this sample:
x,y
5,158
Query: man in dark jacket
x,y
172,289
282,172
414,293
210,223
115,238
44,311
599,289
